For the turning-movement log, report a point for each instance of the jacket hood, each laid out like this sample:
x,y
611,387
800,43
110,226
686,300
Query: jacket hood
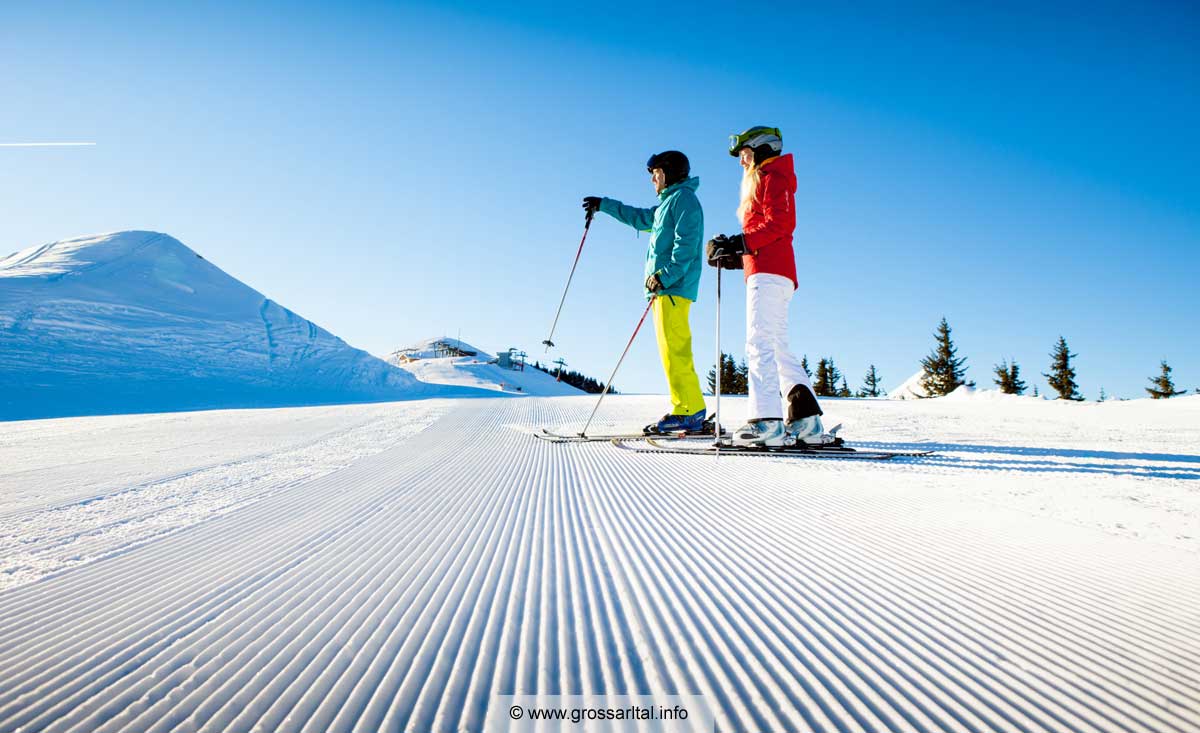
x,y
782,165
690,183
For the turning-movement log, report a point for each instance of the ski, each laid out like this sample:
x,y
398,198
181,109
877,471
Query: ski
x,y
835,452
553,437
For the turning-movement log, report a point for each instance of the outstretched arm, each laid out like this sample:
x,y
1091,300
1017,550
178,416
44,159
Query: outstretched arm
x,y
640,219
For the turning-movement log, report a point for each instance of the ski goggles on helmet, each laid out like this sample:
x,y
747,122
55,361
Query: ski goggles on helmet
x,y
755,137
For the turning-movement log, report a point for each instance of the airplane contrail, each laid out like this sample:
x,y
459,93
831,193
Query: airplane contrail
x,y
43,145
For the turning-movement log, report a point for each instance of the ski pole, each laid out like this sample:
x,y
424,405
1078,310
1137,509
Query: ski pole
x,y
720,366
608,384
549,342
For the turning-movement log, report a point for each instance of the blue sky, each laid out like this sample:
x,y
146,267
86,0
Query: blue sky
x,y
396,171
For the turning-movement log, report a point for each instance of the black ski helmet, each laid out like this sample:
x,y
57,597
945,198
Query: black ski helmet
x,y
674,164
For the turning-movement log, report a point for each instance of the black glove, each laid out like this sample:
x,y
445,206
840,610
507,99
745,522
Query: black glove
x,y
730,262
653,284
591,204
726,252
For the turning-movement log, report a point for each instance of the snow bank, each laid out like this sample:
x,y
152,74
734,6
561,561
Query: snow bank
x,y
911,389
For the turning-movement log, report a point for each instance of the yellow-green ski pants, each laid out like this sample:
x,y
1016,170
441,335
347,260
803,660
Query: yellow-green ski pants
x,y
675,347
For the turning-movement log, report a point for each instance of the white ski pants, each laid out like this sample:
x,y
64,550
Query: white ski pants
x,y
770,361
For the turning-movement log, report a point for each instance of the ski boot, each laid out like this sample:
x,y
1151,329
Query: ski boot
x,y
676,424
808,431
761,433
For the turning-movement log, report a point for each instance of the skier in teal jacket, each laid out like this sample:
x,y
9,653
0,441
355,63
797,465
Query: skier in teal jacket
x,y
672,272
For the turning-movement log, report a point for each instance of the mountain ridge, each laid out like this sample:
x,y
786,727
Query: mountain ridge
x,y
136,321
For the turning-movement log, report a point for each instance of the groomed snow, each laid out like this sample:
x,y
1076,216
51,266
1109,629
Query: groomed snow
x,y
87,488
1041,573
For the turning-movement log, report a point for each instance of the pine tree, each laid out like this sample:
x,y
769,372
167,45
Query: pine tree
x,y
943,372
1103,396
1003,378
733,377
820,379
1008,378
1035,391
1163,388
826,382
1062,374
726,362
820,382
871,384
844,391
804,366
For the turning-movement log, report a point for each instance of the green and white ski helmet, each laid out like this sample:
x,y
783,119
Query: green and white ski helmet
x,y
755,138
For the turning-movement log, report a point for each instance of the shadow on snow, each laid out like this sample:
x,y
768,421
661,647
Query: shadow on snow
x,y
1052,460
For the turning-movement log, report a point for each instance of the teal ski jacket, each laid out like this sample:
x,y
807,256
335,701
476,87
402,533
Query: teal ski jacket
x,y
676,229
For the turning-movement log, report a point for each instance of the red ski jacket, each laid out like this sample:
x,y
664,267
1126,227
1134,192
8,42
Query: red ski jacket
x,y
769,222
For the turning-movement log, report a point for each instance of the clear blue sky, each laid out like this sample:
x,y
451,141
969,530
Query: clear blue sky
x,y
396,171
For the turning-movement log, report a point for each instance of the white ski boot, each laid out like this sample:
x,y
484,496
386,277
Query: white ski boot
x,y
808,431
767,433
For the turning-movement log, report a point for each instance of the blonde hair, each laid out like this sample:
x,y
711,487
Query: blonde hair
x,y
751,178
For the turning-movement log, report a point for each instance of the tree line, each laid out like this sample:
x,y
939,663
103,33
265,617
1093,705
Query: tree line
x,y
943,371
828,381
575,379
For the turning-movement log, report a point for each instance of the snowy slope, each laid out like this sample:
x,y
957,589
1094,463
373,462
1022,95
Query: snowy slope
x,y
477,371
137,322
910,389
1041,573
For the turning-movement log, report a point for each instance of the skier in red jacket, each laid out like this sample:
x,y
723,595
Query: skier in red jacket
x,y
764,250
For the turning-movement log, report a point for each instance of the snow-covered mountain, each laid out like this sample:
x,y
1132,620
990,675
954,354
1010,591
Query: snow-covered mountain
x,y
450,362
137,322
